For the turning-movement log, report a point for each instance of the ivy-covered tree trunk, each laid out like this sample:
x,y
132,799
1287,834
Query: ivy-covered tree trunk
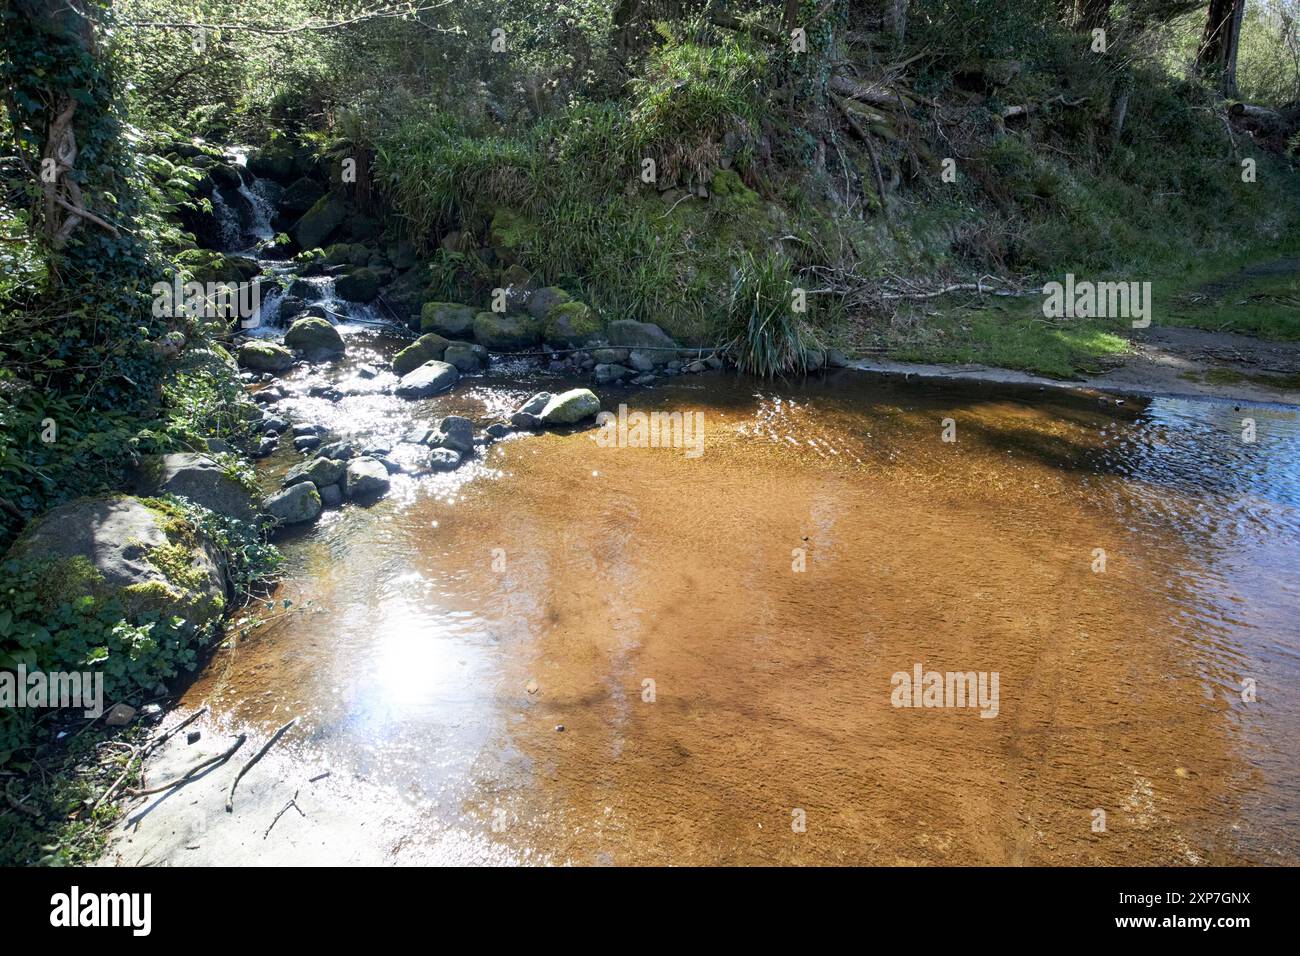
x,y
84,195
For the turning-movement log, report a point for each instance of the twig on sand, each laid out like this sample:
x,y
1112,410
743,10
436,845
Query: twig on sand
x,y
292,803
188,775
230,800
141,754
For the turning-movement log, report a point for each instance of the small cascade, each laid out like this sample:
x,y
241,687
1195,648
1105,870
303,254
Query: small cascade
x,y
229,230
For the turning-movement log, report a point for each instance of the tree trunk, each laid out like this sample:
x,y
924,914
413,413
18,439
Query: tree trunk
x,y
1217,55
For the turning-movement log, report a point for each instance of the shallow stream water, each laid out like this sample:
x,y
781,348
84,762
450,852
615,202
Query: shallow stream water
x,y
718,634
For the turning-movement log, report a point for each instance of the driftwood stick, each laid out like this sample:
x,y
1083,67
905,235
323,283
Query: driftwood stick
x,y
188,775
230,800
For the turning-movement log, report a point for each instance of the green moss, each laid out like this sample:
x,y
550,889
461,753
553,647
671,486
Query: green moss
x,y
67,579
572,323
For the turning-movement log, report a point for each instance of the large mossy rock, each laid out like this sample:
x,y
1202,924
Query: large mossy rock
x,y
314,336
426,348
429,379
145,553
202,478
570,407
448,318
572,323
506,333
630,334
263,356
543,300
320,221
359,285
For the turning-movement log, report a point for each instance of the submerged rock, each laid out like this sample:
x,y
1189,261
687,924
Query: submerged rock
x,y
570,407
264,356
365,478
296,504
611,373
429,379
527,421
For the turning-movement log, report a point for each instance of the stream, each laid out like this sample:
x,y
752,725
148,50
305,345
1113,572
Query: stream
x,y
564,652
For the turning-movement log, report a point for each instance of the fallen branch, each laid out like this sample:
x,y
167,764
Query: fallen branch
x,y
188,775
1024,109
230,800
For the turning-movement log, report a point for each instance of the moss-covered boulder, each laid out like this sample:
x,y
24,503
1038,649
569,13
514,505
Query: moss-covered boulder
x,y
630,334
261,355
359,285
204,265
506,333
320,221
347,254
543,300
448,318
424,349
570,407
313,336
572,323
212,481
146,554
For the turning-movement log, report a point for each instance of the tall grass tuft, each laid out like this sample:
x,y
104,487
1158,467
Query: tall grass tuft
x,y
768,338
